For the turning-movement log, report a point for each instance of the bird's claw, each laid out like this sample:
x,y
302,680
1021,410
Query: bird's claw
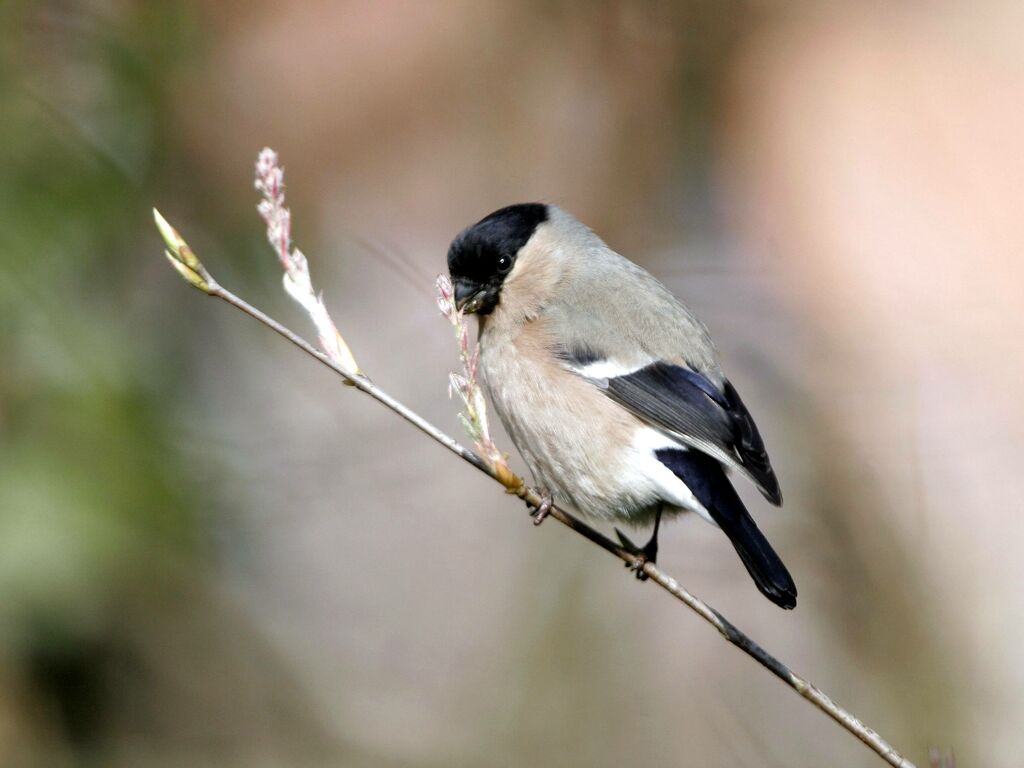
x,y
646,554
543,509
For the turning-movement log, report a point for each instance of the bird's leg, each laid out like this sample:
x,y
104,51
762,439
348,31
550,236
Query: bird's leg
x,y
544,508
646,554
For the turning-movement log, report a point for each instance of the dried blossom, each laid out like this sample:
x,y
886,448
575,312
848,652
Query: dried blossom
x,y
297,281
466,384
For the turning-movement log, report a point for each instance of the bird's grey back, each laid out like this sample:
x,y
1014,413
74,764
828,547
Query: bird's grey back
x,y
610,307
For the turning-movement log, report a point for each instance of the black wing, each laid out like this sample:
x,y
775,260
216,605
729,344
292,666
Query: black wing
x,y
690,406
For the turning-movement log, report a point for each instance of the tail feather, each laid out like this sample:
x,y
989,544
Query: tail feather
x,y
763,564
706,479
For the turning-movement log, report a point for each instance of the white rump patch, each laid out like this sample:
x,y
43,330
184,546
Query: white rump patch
x,y
673,490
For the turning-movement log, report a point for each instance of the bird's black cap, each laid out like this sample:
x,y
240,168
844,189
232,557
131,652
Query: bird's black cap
x,y
484,253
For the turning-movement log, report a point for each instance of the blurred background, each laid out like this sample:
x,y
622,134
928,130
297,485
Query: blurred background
x,y
211,554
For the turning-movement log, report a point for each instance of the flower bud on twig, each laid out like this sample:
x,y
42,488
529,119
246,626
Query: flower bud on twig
x,y
181,256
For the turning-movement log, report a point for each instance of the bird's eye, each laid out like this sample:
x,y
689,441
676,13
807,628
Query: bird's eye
x,y
504,264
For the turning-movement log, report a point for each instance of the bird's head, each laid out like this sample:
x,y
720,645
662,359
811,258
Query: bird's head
x,y
484,254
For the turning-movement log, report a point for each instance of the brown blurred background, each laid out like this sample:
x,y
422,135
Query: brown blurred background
x,y
213,555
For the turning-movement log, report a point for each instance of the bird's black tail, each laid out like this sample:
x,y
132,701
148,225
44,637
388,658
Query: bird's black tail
x,y
707,480
764,566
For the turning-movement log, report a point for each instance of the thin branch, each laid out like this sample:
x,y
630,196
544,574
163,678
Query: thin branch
x,y
185,261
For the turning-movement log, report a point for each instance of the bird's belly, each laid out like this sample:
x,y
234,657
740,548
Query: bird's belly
x,y
579,445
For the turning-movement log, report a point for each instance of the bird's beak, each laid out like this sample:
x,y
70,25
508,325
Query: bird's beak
x,y
467,296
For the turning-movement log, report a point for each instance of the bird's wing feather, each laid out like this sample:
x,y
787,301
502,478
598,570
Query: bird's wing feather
x,y
688,406
654,358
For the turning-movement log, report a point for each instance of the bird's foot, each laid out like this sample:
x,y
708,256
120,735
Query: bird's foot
x,y
544,508
645,554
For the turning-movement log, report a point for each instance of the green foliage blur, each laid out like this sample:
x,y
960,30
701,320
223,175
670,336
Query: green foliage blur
x,y
95,506
89,480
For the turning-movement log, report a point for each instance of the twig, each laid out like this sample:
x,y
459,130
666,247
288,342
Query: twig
x,y
185,261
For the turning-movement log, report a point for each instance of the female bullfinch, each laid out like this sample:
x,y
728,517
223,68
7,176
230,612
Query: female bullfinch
x,y
609,387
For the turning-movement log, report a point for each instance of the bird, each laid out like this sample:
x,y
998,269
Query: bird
x,y
609,387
